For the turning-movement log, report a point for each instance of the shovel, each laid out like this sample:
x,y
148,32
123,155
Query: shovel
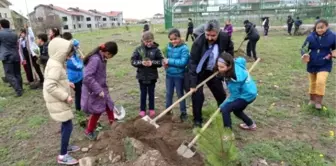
x,y
119,112
188,150
153,121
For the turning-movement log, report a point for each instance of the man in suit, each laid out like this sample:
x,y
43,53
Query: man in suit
x,y
10,57
203,56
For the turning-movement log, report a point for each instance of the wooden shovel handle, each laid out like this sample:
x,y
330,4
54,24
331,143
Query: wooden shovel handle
x,y
182,98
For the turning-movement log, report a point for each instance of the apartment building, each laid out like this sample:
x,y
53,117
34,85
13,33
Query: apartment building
x,y
75,19
5,12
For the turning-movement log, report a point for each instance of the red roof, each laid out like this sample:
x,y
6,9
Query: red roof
x,y
60,9
113,13
81,10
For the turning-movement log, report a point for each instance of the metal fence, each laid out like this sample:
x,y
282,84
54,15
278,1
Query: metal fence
x,y
177,12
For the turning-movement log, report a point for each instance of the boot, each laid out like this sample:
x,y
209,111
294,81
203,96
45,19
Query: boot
x,y
318,102
312,100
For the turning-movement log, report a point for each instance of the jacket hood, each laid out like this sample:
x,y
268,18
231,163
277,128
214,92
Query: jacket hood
x,y
240,69
59,49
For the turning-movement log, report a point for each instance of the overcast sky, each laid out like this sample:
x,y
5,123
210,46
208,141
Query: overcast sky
x,y
131,8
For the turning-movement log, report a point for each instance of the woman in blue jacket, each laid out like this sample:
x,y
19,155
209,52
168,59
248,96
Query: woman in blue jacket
x,y
75,70
318,51
177,58
242,90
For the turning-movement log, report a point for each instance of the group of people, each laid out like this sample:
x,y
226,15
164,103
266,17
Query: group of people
x,y
212,51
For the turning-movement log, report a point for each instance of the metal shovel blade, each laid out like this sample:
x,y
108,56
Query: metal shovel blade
x,y
185,151
121,110
150,121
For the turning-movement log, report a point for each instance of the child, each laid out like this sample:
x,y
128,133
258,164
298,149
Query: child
x,y
75,70
53,33
253,36
176,63
242,90
265,25
322,46
56,93
190,29
95,92
147,58
228,28
297,23
42,41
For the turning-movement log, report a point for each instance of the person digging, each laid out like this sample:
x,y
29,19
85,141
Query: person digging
x,y
204,53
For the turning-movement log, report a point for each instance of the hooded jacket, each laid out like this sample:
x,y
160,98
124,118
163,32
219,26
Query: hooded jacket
x,y
178,58
243,87
319,47
56,89
140,54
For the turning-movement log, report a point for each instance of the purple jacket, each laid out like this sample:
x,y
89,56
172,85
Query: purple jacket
x,y
94,82
228,29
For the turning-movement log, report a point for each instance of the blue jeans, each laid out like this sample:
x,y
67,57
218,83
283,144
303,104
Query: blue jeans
x,y
65,138
171,84
237,107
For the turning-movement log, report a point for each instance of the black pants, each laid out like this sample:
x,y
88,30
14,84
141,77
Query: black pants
x,y
191,34
13,75
266,31
78,93
251,48
66,130
147,88
217,90
28,66
237,107
290,26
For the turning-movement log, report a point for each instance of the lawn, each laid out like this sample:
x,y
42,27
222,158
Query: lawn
x,y
289,132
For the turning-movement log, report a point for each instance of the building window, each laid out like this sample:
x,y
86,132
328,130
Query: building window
x,y
104,19
65,27
74,26
78,18
5,15
65,19
88,18
88,25
40,19
79,26
0,15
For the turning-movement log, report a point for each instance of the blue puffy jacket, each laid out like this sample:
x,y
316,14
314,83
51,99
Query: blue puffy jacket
x,y
243,87
75,66
178,58
319,47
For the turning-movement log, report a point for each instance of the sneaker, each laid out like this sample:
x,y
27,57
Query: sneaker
x,y
151,113
318,106
245,127
142,113
184,117
72,149
91,136
66,160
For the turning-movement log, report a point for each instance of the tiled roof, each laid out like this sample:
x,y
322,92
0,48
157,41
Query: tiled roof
x,y
60,9
98,12
113,13
81,10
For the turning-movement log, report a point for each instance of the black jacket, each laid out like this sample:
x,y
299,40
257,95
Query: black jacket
x,y
290,21
146,27
44,53
9,50
251,32
190,27
154,54
198,49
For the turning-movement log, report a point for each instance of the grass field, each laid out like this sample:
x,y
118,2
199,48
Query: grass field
x,y
289,132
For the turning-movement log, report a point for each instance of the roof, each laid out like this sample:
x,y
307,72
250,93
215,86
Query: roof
x,y
256,1
98,12
18,14
113,13
60,9
81,10
7,2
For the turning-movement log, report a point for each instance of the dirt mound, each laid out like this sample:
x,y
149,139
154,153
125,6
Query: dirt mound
x,y
166,139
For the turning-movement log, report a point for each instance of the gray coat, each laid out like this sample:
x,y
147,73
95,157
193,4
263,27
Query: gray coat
x,y
9,46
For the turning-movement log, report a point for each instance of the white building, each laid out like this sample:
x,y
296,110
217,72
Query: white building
x,y
75,19
6,13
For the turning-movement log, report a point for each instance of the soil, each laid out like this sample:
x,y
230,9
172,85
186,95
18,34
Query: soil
x,y
166,139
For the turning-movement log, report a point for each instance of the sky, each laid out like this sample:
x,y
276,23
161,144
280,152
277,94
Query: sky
x,y
137,9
